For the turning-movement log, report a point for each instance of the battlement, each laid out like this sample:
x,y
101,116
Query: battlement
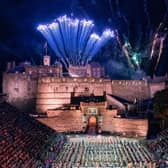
x,y
55,70
129,82
92,80
71,80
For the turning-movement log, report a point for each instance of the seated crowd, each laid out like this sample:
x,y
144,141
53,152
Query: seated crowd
x,y
21,139
160,146
26,143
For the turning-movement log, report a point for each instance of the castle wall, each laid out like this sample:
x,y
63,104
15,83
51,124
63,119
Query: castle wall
x,y
90,70
72,121
34,89
154,87
134,127
107,119
54,92
64,120
130,89
55,70
25,90
21,90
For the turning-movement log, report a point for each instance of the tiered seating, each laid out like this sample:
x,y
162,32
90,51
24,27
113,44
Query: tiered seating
x,y
52,149
160,146
21,138
102,151
26,143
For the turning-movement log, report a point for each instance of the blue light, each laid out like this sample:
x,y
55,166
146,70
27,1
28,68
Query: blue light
x,y
73,40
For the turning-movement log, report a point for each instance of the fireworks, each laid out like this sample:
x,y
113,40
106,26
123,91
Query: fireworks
x,y
133,57
160,52
158,45
74,41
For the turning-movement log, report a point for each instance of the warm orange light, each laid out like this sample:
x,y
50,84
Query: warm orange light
x,y
92,120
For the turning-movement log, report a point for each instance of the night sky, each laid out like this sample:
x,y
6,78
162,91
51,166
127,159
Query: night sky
x,y
20,40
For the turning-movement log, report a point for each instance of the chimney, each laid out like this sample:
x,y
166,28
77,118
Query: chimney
x,y
46,60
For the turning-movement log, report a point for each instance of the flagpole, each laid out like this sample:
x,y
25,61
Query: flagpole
x,y
46,47
41,62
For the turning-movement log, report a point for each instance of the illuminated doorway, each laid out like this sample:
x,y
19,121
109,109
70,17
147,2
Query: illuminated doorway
x,y
92,125
92,121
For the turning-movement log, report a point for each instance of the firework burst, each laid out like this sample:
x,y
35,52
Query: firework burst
x,y
74,41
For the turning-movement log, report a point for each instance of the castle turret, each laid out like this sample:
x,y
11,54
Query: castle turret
x,y
9,66
46,60
13,64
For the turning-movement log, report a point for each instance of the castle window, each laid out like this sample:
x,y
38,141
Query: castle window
x,y
16,90
75,89
56,89
86,89
92,111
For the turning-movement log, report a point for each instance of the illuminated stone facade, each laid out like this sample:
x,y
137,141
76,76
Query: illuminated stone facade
x,y
105,120
90,70
53,92
46,90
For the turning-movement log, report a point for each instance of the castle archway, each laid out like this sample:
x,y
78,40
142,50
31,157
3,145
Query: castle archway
x,y
92,121
92,125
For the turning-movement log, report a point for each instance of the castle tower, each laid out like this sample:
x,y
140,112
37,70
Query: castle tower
x,y
9,66
46,60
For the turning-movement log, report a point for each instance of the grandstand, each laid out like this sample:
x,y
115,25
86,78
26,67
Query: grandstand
x,y
159,146
21,139
26,143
